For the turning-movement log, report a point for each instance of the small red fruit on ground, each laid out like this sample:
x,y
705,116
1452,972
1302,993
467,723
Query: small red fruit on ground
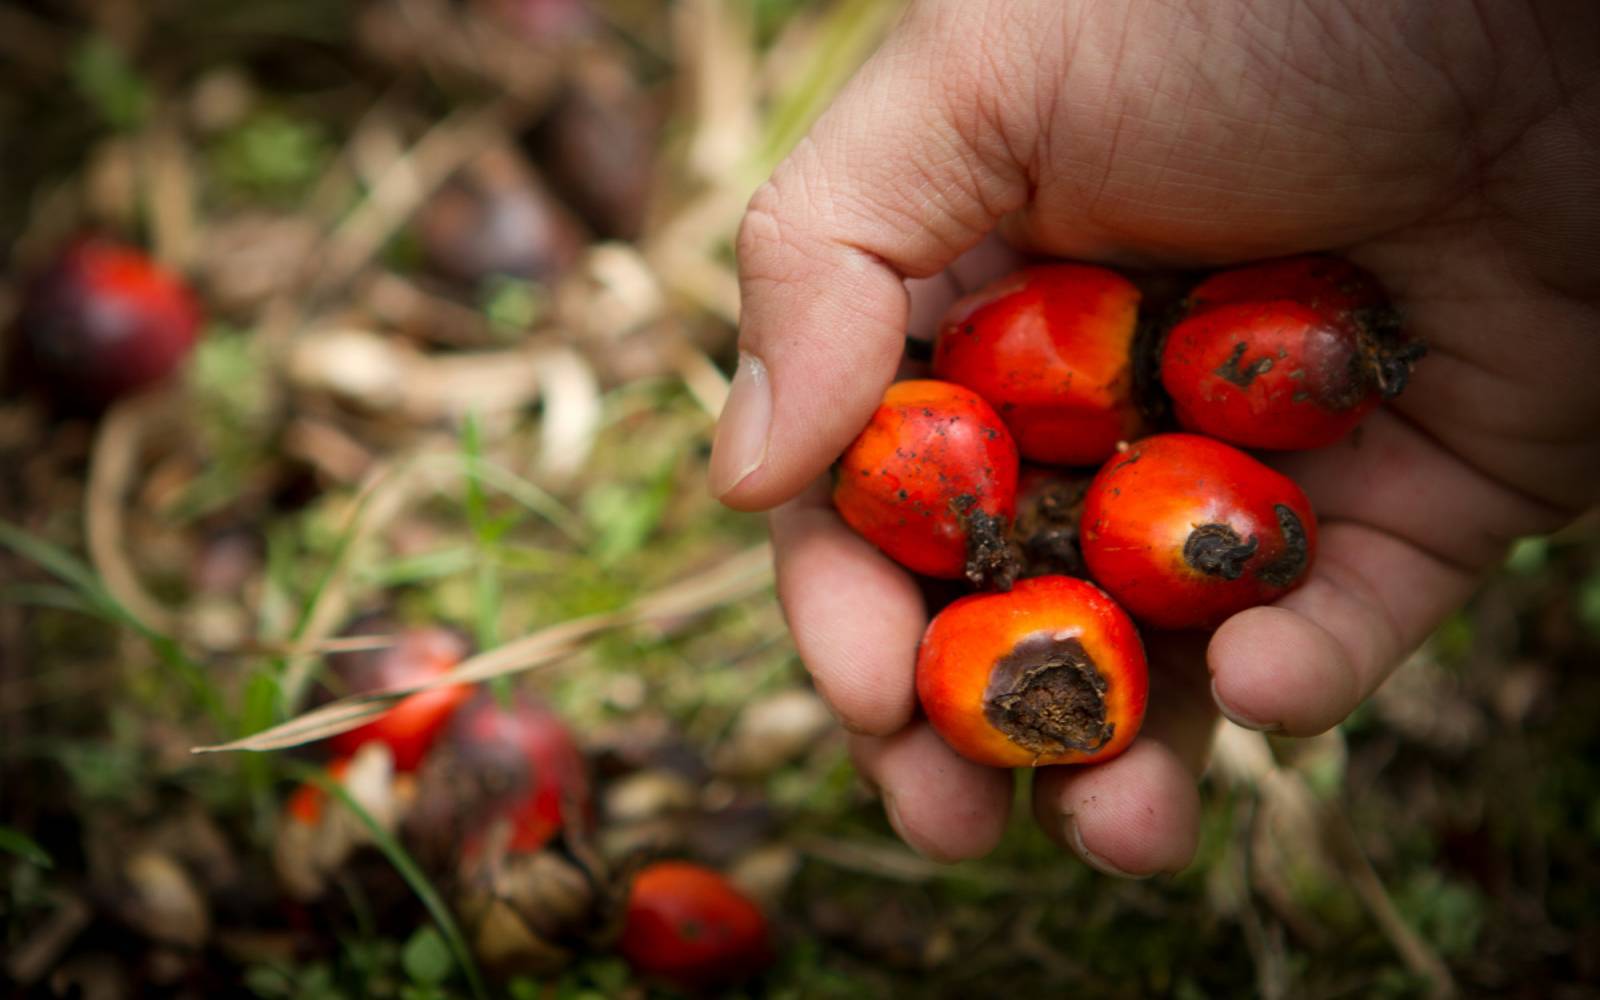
x,y
1184,531
105,320
1051,348
413,656
505,779
1288,354
307,802
932,481
517,764
1052,672
689,926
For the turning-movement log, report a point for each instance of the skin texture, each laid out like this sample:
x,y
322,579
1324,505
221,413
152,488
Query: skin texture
x,y
966,641
1050,348
1450,150
688,925
928,449
1145,505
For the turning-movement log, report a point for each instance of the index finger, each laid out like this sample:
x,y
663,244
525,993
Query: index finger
x,y
894,182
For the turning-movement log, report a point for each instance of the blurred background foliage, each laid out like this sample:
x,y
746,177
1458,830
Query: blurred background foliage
x,y
472,307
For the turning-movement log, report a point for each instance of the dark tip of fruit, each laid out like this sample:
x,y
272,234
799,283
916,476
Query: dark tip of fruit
x,y
992,562
1047,696
1286,569
1046,530
1386,353
1217,550
1391,366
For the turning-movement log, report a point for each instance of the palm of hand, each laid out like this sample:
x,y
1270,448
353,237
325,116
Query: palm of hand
x,y
1141,134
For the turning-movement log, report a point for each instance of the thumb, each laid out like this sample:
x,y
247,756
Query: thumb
x,y
908,168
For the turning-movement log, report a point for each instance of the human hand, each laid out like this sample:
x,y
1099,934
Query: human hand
x,y
1452,150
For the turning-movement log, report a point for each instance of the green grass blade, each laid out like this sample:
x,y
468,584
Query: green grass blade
x,y
13,841
98,601
414,877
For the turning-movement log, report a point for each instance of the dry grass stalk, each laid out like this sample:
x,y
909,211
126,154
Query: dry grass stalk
x,y
112,467
728,581
1318,830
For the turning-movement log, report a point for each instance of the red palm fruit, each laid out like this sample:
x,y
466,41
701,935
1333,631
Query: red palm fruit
x,y
105,320
932,481
411,656
689,926
1184,531
1289,354
1052,672
1051,348
1331,285
507,776
306,803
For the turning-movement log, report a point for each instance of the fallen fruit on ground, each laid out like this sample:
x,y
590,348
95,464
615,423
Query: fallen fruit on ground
x,y
105,320
507,776
400,657
1288,354
1052,672
1185,531
932,481
687,925
1051,349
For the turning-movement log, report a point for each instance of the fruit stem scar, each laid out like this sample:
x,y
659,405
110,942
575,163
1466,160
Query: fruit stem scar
x,y
1284,570
1048,696
991,559
1383,350
1217,550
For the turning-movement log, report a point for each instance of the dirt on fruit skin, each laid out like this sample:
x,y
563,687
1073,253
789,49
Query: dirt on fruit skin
x,y
1242,377
1284,570
1217,550
992,562
1048,697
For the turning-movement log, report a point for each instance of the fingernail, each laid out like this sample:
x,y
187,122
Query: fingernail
x,y
741,442
1238,719
1093,860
